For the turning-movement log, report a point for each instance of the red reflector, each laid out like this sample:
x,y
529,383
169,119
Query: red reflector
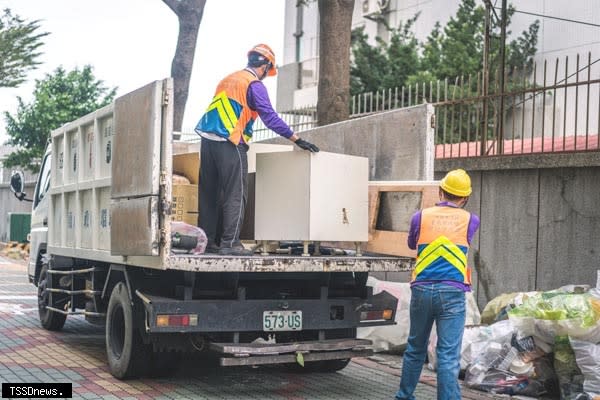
x,y
174,320
179,320
371,315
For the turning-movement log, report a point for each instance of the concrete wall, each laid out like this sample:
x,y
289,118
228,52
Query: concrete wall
x,y
398,143
10,204
540,221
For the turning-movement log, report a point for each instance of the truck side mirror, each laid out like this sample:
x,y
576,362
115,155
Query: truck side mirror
x,y
17,185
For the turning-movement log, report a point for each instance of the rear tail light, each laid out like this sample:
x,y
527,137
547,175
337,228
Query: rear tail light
x,y
378,315
164,320
387,314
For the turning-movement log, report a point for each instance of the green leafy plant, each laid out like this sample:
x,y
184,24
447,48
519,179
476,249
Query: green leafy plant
x,y
20,42
58,98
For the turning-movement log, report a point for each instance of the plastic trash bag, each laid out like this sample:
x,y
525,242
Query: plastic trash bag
x,y
497,351
556,313
502,382
181,230
587,356
595,292
500,369
496,309
569,375
391,337
475,340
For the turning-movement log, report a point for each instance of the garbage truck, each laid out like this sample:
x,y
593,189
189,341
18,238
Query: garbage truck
x,y
102,247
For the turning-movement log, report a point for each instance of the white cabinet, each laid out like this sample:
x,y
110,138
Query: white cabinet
x,y
257,148
311,197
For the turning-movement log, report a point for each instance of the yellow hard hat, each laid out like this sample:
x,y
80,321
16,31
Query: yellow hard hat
x,y
457,182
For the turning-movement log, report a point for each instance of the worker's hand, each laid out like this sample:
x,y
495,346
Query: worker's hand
x,y
304,145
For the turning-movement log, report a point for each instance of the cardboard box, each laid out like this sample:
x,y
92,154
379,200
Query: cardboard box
x,y
184,206
188,165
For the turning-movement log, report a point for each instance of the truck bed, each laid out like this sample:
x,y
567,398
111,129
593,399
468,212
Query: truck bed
x,y
111,205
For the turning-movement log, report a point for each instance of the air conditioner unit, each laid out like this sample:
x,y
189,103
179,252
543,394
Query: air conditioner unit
x,y
372,9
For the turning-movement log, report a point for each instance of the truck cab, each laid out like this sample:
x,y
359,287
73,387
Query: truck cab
x,y
38,237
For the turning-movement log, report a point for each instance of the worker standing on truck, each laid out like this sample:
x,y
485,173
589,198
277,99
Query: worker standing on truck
x,y
441,235
226,130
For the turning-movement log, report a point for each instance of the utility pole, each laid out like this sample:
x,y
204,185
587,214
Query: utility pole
x,y
500,134
485,77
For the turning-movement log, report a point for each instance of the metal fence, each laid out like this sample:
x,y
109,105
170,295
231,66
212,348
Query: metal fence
x,y
552,107
299,120
549,107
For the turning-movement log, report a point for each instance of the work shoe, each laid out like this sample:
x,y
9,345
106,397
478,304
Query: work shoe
x,y
212,248
235,251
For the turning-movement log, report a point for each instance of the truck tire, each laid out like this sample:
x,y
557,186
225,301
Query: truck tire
x,y
50,320
127,355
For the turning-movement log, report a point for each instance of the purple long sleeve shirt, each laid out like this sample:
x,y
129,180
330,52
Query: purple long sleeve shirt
x,y
415,231
258,100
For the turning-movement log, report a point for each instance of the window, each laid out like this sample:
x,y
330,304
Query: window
x,y
43,183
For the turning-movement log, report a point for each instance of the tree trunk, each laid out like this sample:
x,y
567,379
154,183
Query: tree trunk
x,y
189,14
335,25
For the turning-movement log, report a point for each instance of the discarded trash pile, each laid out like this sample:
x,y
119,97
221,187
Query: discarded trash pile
x,y
538,343
16,250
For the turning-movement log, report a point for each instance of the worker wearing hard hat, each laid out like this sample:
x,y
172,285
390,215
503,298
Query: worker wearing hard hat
x,y
441,235
226,130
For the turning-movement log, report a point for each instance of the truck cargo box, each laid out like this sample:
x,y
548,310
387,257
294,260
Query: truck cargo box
x,y
112,195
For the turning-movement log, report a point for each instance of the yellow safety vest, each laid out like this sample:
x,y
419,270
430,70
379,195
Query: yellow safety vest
x,y
442,246
228,114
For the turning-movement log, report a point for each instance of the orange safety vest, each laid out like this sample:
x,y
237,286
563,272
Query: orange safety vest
x,y
229,115
442,246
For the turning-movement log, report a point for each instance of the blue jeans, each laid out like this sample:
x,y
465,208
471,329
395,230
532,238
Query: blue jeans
x,y
445,305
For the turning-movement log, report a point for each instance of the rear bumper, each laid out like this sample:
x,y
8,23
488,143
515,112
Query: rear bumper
x,y
247,315
262,353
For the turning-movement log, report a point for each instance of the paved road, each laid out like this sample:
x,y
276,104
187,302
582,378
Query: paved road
x,y
28,353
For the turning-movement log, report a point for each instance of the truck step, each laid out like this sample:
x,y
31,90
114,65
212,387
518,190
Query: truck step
x,y
77,312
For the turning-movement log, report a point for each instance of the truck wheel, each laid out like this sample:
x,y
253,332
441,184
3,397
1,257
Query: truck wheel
x,y
50,320
127,355
325,366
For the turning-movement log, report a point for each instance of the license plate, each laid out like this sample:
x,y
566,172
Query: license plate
x,y
282,320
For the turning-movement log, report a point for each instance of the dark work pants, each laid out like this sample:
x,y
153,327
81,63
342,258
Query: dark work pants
x,y
223,190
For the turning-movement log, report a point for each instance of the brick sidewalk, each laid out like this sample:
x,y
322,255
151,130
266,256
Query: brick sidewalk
x,y
28,353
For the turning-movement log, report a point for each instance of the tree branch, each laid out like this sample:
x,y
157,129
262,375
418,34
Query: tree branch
x,y
173,5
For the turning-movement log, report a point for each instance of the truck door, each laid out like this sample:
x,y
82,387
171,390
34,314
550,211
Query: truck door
x,y
142,120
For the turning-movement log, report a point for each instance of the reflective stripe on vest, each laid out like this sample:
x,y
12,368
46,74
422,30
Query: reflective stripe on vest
x,y
442,245
228,115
